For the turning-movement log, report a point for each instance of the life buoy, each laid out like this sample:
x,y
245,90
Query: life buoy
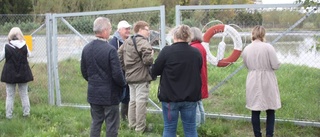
x,y
228,30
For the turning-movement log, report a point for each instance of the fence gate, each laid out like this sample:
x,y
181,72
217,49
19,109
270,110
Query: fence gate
x,y
289,30
70,32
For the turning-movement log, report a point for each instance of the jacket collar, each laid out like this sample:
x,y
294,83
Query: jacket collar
x,y
194,42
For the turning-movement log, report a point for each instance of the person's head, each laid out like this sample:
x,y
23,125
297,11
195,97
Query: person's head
x,y
124,29
15,34
196,34
142,28
102,27
181,33
258,32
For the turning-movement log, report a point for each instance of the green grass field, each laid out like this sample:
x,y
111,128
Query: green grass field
x,y
299,89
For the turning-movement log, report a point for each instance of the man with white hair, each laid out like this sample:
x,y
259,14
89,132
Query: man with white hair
x,y
100,66
122,33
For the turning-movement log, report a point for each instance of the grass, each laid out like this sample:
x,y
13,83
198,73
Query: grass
x,y
299,89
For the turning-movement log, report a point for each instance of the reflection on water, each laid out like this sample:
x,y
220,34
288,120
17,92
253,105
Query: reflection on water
x,y
299,53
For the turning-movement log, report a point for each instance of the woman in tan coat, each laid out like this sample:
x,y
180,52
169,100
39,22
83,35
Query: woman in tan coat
x,y
262,92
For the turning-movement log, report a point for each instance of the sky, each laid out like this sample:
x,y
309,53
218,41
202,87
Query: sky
x,y
278,1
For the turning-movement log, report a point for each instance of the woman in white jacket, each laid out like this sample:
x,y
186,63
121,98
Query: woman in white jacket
x,y
262,92
16,71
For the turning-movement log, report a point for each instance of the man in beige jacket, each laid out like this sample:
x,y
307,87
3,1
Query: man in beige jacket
x,y
136,56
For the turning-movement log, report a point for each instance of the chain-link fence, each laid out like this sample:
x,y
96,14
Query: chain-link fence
x,y
58,40
33,25
71,32
296,46
293,30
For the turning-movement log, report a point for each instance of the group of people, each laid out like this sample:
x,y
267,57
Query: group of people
x,y
119,71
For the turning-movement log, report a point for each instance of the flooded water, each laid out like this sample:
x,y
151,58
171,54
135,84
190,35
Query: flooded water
x,y
299,53
294,48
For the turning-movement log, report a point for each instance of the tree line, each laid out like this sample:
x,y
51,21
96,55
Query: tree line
x,y
243,17
66,6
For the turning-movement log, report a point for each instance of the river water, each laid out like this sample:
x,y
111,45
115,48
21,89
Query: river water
x,y
299,53
293,48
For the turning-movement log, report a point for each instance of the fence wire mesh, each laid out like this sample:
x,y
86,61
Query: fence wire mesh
x,y
300,46
74,33
34,25
293,31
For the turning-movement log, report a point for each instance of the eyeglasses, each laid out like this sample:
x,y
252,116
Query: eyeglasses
x,y
146,29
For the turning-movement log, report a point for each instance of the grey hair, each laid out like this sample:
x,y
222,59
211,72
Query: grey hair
x,y
100,24
15,34
197,34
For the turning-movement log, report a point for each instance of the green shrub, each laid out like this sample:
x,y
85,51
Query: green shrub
x,y
26,27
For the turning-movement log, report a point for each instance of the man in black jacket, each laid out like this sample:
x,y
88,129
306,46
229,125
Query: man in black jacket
x,y
100,66
122,33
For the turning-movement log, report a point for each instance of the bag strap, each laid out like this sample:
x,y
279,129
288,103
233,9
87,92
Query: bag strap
x,y
135,46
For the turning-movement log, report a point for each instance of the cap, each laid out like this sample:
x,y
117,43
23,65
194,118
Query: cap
x,y
123,24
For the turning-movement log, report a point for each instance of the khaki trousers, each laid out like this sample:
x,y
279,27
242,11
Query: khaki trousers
x,y
139,94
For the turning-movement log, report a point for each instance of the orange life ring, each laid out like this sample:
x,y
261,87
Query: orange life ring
x,y
235,37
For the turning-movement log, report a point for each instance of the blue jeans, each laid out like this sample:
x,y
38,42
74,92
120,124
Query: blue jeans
x,y
170,113
200,115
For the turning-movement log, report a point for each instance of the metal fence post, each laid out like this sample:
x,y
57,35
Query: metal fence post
x,y
162,27
55,59
49,58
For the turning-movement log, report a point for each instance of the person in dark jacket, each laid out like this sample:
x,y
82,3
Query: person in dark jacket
x,y
180,83
16,71
122,33
100,66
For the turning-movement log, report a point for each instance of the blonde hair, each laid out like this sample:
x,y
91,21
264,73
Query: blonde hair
x,y
182,32
258,32
196,34
15,34
100,24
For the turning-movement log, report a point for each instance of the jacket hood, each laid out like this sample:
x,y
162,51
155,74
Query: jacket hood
x,y
117,35
18,43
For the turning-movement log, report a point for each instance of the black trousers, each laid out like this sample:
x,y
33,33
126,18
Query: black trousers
x,y
109,114
255,120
